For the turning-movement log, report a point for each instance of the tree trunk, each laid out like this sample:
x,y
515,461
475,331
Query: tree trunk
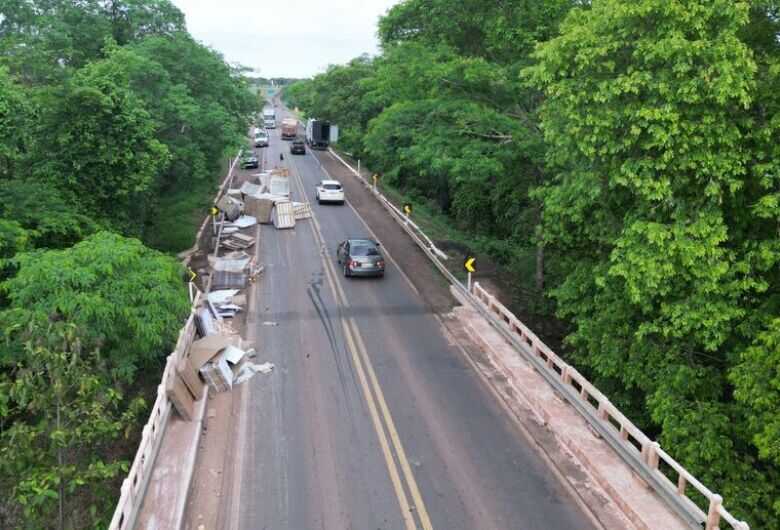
x,y
540,268
539,252
61,521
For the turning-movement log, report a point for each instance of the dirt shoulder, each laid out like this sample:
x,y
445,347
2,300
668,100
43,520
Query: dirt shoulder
x,y
429,282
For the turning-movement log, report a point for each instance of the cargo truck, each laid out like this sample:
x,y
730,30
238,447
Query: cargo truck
x,y
269,118
289,128
318,134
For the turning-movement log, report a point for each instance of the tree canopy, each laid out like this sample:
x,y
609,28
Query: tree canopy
x,y
625,152
109,111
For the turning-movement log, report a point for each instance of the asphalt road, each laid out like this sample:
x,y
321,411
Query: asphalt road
x,y
371,419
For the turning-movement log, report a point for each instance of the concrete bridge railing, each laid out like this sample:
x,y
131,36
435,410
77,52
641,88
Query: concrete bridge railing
x,y
644,455
134,486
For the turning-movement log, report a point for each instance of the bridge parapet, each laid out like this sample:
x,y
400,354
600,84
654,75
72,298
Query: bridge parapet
x,y
643,454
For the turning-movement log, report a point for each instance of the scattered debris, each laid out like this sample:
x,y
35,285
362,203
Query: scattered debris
x,y
245,221
218,374
232,262
231,271
302,210
230,206
222,296
180,396
228,310
228,280
248,370
284,216
249,188
233,354
190,377
237,241
205,322
239,299
279,185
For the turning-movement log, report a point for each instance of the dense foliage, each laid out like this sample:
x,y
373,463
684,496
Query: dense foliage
x,y
624,156
109,110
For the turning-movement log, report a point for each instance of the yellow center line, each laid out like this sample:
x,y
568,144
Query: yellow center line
x,y
422,512
357,350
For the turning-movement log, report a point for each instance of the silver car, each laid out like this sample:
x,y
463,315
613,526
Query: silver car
x,y
361,257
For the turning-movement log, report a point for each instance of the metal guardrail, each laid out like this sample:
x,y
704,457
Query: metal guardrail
x,y
636,449
134,486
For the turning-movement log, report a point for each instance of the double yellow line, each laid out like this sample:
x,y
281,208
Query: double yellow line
x,y
389,441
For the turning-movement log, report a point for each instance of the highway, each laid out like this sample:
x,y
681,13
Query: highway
x,y
372,418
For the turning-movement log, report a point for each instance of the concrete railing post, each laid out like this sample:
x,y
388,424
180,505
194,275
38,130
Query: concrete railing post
x,y
652,455
713,513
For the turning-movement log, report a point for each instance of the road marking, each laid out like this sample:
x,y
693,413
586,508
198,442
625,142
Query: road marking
x,y
360,358
373,235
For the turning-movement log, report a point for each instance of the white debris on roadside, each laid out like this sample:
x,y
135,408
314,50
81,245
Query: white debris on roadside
x,y
233,354
248,370
222,296
245,221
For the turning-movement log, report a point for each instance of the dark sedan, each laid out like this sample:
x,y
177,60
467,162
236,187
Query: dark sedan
x,y
298,147
361,257
249,160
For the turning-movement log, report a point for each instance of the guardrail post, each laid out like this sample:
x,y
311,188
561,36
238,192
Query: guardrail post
x,y
652,455
565,375
681,484
713,515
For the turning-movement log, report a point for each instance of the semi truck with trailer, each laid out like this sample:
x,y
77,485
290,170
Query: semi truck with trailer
x,y
318,134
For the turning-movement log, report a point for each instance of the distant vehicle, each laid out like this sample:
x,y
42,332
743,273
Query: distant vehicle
x,y
289,128
298,147
261,139
318,134
249,160
330,191
269,118
361,257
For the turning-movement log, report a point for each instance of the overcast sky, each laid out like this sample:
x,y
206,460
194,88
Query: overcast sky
x,y
286,38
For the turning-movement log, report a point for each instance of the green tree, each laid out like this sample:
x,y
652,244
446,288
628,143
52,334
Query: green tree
x,y
102,145
14,126
42,41
648,117
201,107
64,415
13,239
126,300
50,216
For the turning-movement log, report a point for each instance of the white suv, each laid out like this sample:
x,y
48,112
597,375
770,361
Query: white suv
x,y
330,191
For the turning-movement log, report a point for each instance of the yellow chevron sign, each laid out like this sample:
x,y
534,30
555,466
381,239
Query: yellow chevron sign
x,y
470,264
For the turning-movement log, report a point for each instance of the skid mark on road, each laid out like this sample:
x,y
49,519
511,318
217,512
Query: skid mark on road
x,y
389,441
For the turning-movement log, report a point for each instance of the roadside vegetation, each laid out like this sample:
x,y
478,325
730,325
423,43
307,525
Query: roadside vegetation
x,y
114,126
620,160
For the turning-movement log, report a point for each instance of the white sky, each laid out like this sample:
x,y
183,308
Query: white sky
x,y
286,38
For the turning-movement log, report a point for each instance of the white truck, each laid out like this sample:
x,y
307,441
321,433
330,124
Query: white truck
x,y
269,118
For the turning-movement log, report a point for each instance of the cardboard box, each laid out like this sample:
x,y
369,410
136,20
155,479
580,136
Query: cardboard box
x,y
218,374
190,378
180,396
